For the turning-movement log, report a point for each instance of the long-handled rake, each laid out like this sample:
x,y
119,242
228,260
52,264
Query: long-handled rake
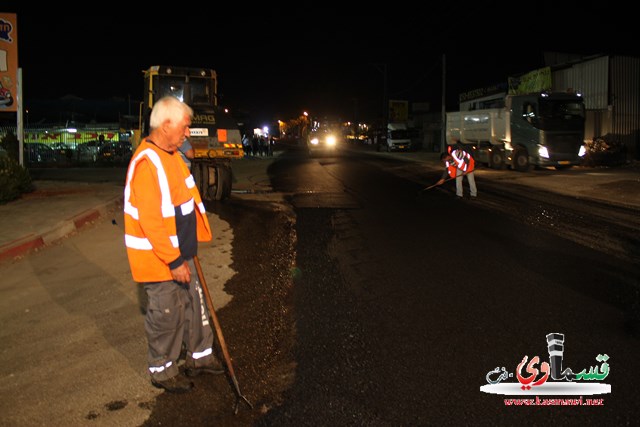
x,y
446,180
221,340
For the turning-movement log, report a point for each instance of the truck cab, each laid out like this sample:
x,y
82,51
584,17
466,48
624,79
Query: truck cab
x,y
538,129
215,135
397,138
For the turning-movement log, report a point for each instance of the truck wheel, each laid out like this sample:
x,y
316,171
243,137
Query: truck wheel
x,y
207,178
496,159
521,160
216,182
200,176
222,188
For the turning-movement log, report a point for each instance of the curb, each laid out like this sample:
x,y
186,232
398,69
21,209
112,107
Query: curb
x,y
33,242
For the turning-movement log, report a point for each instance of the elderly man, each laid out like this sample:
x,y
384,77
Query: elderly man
x,y
164,221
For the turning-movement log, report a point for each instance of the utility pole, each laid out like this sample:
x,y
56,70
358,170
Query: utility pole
x,y
385,102
19,117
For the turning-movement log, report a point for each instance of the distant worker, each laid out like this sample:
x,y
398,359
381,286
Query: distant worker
x,y
262,143
458,164
246,144
255,145
272,144
165,219
187,153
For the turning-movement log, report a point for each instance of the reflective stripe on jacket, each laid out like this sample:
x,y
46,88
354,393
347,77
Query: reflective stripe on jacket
x,y
463,161
157,183
451,168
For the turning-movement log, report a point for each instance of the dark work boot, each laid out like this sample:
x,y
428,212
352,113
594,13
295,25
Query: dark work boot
x,y
177,384
214,368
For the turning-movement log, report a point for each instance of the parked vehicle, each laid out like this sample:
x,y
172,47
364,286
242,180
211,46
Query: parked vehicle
x,y
116,151
63,150
37,152
398,138
539,129
88,151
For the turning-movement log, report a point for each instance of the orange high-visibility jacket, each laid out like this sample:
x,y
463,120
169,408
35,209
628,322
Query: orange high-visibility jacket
x,y
451,169
157,182
463,161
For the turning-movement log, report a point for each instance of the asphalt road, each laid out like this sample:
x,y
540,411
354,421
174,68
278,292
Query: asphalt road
x,y
345,299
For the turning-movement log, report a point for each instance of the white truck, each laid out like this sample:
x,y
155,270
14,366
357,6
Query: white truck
x,y
397,138
539,129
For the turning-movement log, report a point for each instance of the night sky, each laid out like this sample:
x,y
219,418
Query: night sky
x,y
275,67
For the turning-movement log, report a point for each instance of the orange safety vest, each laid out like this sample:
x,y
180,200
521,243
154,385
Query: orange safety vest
x,y
158,182
451,168
463,161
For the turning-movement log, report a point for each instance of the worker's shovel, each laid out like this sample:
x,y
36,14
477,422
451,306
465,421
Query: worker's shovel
x,y
436,184
431,186
446,180
218,330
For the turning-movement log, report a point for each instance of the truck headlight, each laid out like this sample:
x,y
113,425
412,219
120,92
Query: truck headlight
x,y
583,151
543,152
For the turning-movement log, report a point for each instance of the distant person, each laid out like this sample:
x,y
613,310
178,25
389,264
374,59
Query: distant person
x,y
186,152
458,164
255,145
272,144
165,219
246,144
262,143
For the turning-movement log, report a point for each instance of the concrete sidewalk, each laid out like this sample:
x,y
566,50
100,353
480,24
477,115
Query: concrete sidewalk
x,y
54,210
58,208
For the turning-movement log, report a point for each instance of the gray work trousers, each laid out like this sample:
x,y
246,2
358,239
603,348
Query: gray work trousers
x,y
473,191
177,314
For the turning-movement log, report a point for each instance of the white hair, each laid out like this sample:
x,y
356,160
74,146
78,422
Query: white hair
x,y
168,108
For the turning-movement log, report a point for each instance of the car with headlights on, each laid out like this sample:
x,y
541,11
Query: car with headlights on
x,y
323,142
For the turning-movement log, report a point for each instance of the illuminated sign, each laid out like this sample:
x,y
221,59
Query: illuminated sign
x,y
8,62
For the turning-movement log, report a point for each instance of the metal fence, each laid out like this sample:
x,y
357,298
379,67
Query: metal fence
x,y
60,146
